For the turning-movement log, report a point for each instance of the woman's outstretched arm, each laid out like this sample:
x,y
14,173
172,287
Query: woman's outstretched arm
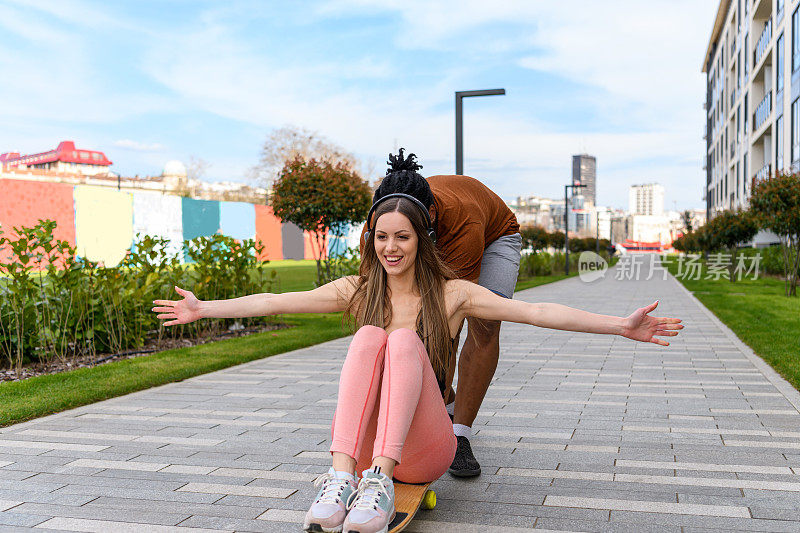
x,y
480,302
330,298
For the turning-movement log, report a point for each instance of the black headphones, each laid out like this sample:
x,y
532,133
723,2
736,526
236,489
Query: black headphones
x,y
430,230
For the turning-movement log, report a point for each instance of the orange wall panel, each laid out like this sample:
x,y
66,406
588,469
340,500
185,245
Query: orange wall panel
x,y
311,246
268,231
23,203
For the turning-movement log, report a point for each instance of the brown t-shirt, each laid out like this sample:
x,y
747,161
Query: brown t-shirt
x,y
469,217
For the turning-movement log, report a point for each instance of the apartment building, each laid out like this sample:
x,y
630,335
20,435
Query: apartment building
x,y
646,199
752,65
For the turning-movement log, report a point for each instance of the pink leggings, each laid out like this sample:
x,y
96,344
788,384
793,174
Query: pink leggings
x,y
411,417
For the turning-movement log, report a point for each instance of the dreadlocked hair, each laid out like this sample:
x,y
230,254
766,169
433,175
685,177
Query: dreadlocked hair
x,y
402,177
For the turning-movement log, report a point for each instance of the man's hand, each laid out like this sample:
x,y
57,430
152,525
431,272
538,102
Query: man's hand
x,y
179,311
641,327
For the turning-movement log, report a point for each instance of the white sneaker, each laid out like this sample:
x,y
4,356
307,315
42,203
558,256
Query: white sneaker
x,y
329,509
372,506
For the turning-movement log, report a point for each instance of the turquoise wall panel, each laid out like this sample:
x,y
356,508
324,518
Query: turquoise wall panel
x,y
200,217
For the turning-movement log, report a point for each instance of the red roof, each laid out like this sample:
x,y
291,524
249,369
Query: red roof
x,y
65,152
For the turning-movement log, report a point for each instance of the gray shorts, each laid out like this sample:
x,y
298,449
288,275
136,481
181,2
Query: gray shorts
x,y
500,265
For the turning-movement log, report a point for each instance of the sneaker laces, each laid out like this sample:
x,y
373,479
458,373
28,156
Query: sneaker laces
x,y
332,488
368,495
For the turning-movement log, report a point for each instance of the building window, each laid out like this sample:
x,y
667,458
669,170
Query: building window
x,y
796,39
739,70
745,116
744,172
744,66
738,174
795,131
779,9
779,143
739,13
738,126
779,64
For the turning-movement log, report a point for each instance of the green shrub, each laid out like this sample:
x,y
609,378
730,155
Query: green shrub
x,y
771,261
56,305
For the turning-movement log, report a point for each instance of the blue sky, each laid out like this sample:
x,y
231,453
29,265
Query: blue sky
x,y
147,82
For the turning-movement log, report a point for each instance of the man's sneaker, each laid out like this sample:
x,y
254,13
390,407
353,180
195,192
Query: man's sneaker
x,y
464,463
329,509
372,506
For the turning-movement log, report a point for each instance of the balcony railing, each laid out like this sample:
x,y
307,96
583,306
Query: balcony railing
x,y
762,111
763,42
764,173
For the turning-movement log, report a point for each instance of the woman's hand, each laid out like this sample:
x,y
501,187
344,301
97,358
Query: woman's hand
x,y
641,327
180,311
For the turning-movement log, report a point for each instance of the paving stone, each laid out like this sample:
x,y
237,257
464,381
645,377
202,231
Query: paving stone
x,y
97,513
10,518
174,507
608,434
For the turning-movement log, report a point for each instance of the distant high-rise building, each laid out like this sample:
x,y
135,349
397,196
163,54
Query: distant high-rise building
x,y
584,172
646,199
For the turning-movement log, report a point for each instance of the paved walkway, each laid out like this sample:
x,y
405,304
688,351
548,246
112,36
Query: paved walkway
x,y
578,433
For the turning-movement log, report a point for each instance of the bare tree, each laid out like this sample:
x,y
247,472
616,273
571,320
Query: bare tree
x,y
196,168
286,143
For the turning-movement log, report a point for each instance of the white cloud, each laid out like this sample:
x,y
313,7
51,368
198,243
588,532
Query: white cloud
x,y
638,62
56,78
139,146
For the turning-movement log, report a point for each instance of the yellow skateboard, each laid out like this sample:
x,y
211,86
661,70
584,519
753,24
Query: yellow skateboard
x,y
408,498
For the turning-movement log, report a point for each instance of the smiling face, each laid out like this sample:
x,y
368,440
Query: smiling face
x,y
395,243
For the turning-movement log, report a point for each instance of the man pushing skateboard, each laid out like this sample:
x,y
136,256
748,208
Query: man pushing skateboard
x,y
478,237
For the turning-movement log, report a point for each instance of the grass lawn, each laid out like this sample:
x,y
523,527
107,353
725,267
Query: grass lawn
x,y
293,275
535,281
44,395
759,314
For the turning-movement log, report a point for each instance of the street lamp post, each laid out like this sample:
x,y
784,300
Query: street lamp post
x,y
566,224
597,233
460,126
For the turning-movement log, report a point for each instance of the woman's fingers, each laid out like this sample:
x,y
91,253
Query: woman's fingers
x,y
163,309
667,320
164,302
670,333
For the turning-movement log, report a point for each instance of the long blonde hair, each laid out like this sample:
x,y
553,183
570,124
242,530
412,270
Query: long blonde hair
x,y
371,303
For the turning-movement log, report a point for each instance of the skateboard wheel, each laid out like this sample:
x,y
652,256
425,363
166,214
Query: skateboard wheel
x,y
429,500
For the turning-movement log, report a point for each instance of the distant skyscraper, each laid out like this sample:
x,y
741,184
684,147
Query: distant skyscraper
x,y
584,172
646,199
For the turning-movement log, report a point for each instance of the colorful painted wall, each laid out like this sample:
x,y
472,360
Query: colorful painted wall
x,y
23,203
102,223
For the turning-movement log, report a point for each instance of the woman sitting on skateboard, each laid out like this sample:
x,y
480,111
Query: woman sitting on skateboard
x,y
390,419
